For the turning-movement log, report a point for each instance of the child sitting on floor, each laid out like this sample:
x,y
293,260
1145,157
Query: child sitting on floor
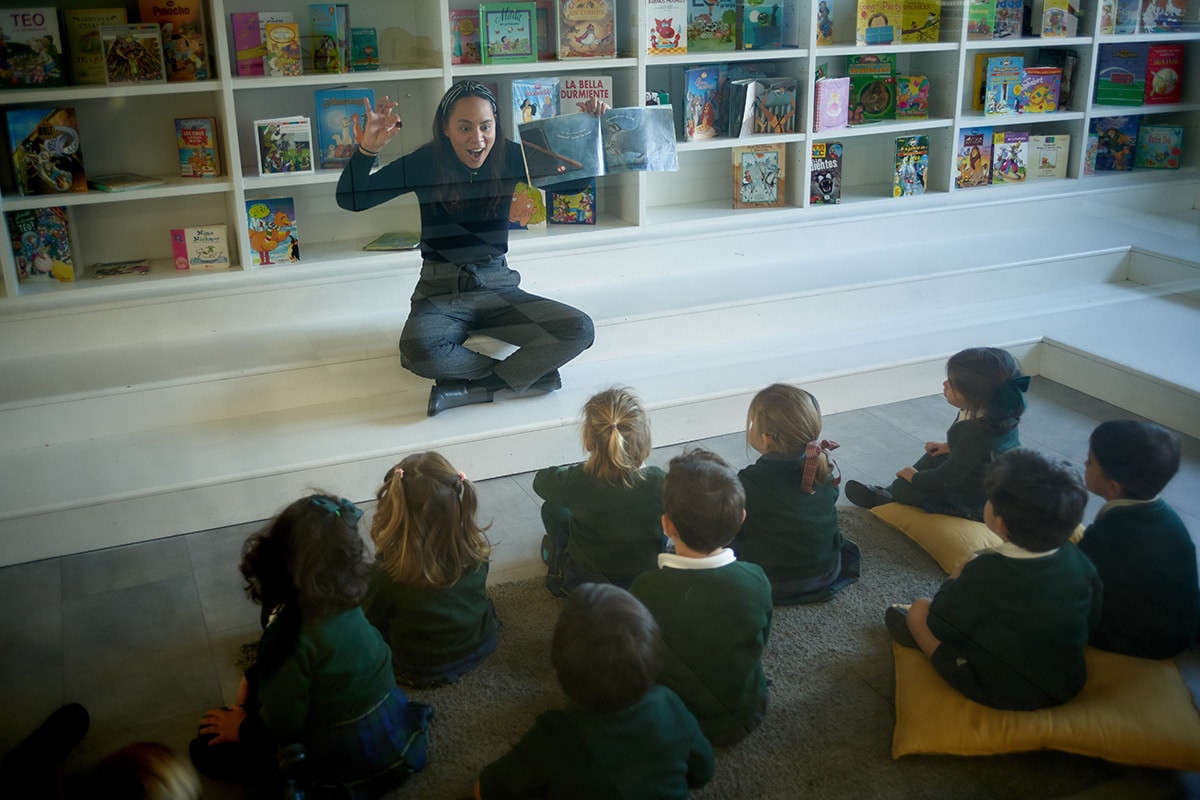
x,y
714,611
1138,543
621,736
791,527
986,385
428,594
602,517
1008,628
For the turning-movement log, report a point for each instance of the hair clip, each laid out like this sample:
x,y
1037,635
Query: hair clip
x,y
811,451
343,508
398,472
462,476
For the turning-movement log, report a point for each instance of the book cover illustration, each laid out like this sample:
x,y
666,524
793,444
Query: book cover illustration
x,y
250,38
204,247
878,22
1006,21
82,32
587,29
1053,19
1108,16
47,156
1048,156
573,208
535,98
981,19
1002,91
759,25
133,53
832,103
464,36
1159,147
576,146
825,179
199,153
759,176
364,49
702,99
979,77
1089,154
921,21
912,166
185,49
124,182
339,123
1164,73
1040,88
1125,20
974,159
712,25
912,97
284,145
575,90
32,55
762,105
546,28
1010,156
394,240
329,37
1116,142
872,88
825,22
666,27
41,244
507,33
116,269
1067,61
1163,16
283,58
1121,73
274,235
528,208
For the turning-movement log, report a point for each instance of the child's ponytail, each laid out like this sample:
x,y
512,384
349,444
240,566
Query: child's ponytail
x,y
790,419
616,431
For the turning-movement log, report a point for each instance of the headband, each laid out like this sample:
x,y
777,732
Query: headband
x,y
812,451
343,508
466,89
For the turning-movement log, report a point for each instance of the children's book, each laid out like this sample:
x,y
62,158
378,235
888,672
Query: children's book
x,y
1006,22
1164,73
283,58
1121,73
825,179
1108,16
133,53
703,98
1039,90
41,242
46,151
575,90
912,166
980,74
759,176
547,30
329,37
535,98
32,49
921,21
199,152
878,22
832,103
1053,18
1002,90
185,47
1048,156
973,161
1163,16
759,25
981,19
1068,62
573,208
1116,142
712,25
872,88
912,97
82,30
124,182
284,145
666,27
250,38
464,36
273,231
1126,18
394,240
576,146
507,33
587,28
364,50
1159,147
1010,155
116,269
528,208
340,118
825,22
205,247
762,105
1089,154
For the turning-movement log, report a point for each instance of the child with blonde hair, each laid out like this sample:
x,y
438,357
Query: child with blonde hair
x,y
603,517
791,527
428,593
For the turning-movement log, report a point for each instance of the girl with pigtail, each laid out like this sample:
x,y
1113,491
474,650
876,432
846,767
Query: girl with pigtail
x,y
603,518
428,593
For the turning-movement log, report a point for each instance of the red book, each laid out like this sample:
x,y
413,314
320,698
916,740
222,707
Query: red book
x,y
1164,73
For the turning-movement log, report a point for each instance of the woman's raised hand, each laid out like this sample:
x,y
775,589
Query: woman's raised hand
x,y
380,124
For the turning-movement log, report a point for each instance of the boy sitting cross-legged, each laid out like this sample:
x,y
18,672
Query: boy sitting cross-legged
x,y
714,611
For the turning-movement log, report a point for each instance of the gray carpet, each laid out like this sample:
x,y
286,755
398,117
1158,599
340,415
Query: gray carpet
x,y
828,729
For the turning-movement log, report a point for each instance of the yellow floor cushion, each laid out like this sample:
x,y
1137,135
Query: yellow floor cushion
x,y
1132,711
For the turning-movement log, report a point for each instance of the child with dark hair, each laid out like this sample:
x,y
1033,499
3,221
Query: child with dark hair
x,y
621,736
714,611
323,675
1008,628
986,385
1140,546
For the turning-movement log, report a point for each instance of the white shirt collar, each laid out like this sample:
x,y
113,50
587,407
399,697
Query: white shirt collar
x,y
1122,502
1011,550
718,559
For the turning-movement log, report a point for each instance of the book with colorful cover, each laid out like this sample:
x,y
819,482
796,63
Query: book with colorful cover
x,y
666,27
283,58
133,53
508,33
832,103
878,22
250,38
124,182
528,209
1010,156
587,28
1163,16
575,90
199,151
825,22
41,244
872,87
205,247
1089,154
1048,156
33,49
1108,16
1066,60
980,74
82,34
47,153
1002,90
364,49
711,26
339,121
759,176
973,161
912,97
1040,88
273,230
1164,73
1006,22
759,25
1159,147
116,269
1053,19
394,240
284,145
1125,19
921,21
981,19
1116,142
825,177
573,147
911,166
464,36
573,208
185,46
702,100
535,98
1121,73
762,105
329,37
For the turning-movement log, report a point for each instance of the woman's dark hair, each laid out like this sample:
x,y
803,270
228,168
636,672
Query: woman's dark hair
x,y
990,380
452,191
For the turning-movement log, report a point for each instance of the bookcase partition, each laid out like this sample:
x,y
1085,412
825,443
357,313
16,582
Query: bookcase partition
x,y
130,128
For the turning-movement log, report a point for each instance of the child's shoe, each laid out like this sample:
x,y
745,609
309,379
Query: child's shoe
x,y
865,496
896,619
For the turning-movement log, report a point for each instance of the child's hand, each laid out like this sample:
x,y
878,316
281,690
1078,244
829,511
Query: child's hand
x,y
224,722
907,473
380,124
937,448
594,107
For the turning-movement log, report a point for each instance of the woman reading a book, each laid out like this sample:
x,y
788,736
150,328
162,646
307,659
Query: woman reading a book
x,y
464,180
